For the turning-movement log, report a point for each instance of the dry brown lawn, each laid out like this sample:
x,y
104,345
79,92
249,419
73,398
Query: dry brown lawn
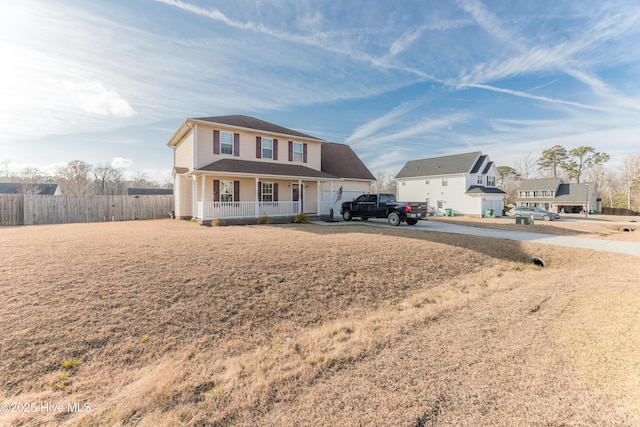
x,y
174,324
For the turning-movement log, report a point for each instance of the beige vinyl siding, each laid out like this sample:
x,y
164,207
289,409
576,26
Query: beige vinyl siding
x,y
184,152
248,147
183,196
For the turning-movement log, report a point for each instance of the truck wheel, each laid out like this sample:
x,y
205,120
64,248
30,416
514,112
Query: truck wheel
x,y
394,219
412,221
346,215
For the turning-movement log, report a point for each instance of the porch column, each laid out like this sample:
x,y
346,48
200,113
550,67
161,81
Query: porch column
x,y
318,197
257,203
203,197
300,195
194,196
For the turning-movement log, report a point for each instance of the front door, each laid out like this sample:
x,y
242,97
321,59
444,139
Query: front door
x,y
297,194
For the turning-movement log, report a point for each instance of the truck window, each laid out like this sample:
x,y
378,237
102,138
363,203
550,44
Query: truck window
x,y
372,198
362,198
384,198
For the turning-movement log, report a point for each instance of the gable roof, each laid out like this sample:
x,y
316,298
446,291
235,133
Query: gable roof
x,y
571,192
445,165
247,122
340,160
478,164
540,184
20,187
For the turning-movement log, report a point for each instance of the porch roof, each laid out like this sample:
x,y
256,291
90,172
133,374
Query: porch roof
x,y
479,189
247,167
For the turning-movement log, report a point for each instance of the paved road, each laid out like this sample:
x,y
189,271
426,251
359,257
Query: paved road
x,y
628,248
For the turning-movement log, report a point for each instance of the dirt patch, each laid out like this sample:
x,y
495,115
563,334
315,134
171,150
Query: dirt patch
x,y
172,323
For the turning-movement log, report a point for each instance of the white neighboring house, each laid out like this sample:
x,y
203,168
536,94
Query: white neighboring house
x,y
465,184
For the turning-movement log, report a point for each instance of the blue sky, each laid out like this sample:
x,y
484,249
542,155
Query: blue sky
x,y
110,81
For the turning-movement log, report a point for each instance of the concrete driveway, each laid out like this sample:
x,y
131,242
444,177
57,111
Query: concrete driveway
x,y
628,248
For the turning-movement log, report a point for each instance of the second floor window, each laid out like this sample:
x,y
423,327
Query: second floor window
x,y
445,181
491,181
480,180
297,152
226,143
267,148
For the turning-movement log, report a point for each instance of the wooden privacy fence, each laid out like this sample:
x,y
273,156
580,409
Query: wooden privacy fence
x,y
28,209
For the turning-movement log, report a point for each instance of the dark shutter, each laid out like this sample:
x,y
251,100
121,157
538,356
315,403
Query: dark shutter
x,y
216,142
258,147
275,191
236,144
259,191
275,149
216,190
304,153
236,191
291,151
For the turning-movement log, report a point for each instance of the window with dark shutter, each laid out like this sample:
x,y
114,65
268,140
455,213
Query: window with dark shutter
x,y
216,190
275,149
216,142
259,191
258,147
236,144
304,153
236,191
275,191
291,151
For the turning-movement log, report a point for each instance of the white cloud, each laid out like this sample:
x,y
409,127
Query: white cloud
x,y
121,163
95,98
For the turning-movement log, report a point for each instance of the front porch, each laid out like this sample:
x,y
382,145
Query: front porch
x,y
256,209
217,196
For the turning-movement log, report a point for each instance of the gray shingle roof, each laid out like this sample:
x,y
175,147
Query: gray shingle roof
x,y
255,124
478,164
264,168
540,184
340,160
445,165
19,188
480,189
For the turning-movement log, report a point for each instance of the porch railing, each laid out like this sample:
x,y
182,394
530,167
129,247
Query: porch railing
x,y
213,210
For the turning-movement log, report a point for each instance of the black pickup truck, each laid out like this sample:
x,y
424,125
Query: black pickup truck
x,y
384,206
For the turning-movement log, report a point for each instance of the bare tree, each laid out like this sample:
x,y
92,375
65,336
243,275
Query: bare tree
x,y
630,175
526,166
76,178
4,167
108,180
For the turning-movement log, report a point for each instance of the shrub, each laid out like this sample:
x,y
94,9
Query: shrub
x,y
264,220
301,218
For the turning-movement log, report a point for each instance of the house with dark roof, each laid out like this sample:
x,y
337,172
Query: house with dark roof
x,y
149,191
239,166
29,188
552,194
462,184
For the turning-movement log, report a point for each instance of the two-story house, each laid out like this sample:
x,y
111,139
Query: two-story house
x,y
551,194
457,184
239,166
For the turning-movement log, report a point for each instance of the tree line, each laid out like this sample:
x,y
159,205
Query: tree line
x,y
78,178
617,188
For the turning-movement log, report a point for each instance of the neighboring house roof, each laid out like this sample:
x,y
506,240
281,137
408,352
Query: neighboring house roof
x,y
571,193
264,168
21,187
340,160
445,165
149,191
540,184
487,168
479,189
255,124
478,164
